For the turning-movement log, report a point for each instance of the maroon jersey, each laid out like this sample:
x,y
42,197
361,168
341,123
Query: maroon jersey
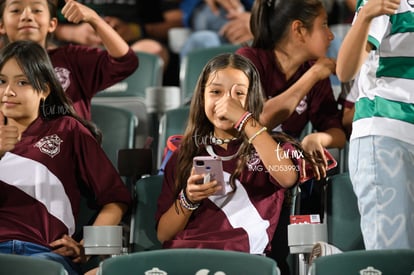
x,y
241,221
318,106
85,71
40,178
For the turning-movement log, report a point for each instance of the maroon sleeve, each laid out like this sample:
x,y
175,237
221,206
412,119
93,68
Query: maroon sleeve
x,y
348,104
85,71
93,69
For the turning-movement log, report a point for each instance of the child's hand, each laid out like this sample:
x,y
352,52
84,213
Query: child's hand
x,y
197,191
68,247
237,29
374,8
9,136
312,145
76,12
229,106
324,67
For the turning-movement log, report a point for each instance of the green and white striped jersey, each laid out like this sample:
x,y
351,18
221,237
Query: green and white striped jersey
x,y
387,107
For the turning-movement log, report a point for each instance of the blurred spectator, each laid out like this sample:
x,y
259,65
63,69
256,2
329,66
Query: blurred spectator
x,y
215,22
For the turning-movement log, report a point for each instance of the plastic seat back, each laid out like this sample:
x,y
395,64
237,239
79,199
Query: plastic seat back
x,y
343,216
190,261
147,191
366,262
12,264
173,122
118,129
149,73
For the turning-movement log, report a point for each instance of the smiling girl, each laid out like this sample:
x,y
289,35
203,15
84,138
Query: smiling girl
x,y
226,106
45,160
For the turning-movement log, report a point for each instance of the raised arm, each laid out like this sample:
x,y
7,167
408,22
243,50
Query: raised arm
x,y
355,47
112,41
279,108
268,150
82,34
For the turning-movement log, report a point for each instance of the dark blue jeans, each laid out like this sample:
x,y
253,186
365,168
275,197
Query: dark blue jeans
x,y
35,250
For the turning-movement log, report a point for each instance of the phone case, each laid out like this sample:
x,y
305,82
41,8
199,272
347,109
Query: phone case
x,y
212,167
332,163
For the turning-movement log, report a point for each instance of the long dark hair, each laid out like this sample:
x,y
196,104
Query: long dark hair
x,y
199,125
270,19
36,66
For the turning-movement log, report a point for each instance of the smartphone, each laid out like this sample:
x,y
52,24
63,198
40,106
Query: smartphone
x,y
332,163
212,168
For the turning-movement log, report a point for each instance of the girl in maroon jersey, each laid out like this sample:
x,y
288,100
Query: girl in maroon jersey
x,y
224,123
47,155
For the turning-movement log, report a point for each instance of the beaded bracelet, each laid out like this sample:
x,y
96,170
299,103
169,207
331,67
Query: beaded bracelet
x,y
243,122
256,134
186,203
236,126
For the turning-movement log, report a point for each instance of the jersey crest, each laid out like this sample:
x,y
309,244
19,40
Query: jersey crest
x,y
253,160
302,106
63,76
49,145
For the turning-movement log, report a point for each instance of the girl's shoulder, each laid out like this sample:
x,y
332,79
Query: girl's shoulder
x,y
67,124
250,51
261,58
74,50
